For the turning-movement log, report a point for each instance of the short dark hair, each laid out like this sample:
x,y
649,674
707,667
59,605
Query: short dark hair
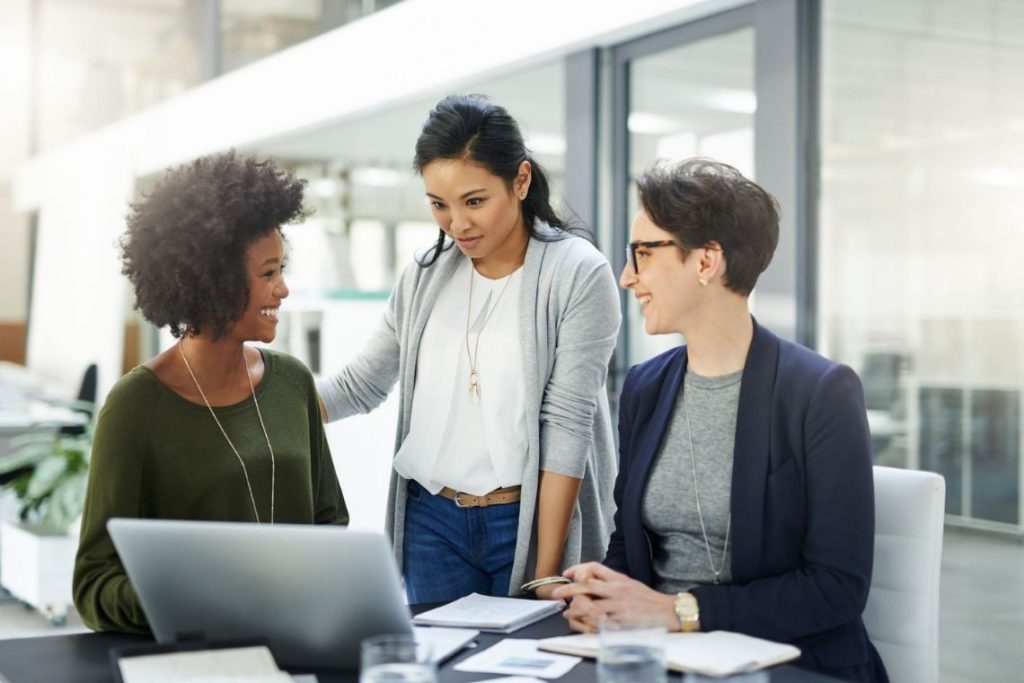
x,y
185,244
701,201
472,128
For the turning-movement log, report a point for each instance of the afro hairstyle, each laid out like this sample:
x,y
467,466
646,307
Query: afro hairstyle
x,y
184,249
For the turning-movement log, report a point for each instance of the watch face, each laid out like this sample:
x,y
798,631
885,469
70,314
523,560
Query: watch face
x,y
686,607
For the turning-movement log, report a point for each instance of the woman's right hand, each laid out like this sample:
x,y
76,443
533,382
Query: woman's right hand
x,y
598,591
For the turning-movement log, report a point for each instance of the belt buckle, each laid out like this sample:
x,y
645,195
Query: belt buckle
x,y
457,503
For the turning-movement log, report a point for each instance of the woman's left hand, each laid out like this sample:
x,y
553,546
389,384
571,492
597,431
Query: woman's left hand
x,y
598,591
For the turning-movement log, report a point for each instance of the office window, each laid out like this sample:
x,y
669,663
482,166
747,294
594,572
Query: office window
x,y
253,30
921,288
100,61
695,99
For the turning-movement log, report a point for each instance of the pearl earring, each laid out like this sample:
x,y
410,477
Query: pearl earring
x,y
703,282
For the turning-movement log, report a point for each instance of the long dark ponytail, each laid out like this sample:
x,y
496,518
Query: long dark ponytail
x,y
472,128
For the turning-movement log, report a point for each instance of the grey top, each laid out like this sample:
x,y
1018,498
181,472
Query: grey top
x,y
569,322
680,556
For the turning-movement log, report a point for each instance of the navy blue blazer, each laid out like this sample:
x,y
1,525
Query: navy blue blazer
x,y
802,501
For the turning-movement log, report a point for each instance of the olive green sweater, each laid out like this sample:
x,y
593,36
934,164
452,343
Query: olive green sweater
x,y
157,455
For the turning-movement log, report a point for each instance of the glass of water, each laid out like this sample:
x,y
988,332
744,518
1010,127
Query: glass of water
x,y
631,653
395,658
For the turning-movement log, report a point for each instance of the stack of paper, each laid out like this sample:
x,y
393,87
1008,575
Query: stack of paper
x,y
497,615
251,664
442,643
718,653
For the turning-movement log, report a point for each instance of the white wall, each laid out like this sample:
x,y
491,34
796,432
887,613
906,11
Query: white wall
x,y
14,149
78,291
13,259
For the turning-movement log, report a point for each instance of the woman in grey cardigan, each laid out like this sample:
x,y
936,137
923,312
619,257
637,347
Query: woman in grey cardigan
x,y
499,338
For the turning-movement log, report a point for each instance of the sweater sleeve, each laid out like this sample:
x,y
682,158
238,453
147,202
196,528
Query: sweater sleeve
x,y
328,500
831,587
103,595
587,331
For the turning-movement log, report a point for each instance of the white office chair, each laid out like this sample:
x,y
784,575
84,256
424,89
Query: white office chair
x,y
902,614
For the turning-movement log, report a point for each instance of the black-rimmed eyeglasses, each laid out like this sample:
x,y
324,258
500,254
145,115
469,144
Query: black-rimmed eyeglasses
x,y
631,248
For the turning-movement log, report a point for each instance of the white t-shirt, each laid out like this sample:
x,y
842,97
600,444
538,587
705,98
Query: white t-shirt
x,y
471,445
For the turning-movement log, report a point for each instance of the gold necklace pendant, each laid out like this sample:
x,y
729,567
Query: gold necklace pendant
x,y
473,356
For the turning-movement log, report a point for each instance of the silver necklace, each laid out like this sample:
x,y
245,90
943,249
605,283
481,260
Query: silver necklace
x,y
474,374
700,514
245,471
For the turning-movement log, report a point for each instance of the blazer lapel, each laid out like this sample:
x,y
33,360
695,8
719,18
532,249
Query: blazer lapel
x,y
648,446
751,453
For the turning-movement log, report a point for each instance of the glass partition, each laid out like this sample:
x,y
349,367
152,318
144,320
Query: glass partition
x,y
695,99
920,279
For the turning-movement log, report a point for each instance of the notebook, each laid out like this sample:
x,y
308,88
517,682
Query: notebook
x,y
313,592
717,653
496,615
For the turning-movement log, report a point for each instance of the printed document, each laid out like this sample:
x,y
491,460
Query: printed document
x,y
518,657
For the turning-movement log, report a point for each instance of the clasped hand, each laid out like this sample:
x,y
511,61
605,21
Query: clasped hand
x,y
597,591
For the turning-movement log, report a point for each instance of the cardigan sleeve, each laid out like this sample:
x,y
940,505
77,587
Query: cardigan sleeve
x,y
831,586
103,595
366,381
587,331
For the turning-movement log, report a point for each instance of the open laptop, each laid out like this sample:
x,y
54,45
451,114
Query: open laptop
x,y
314,592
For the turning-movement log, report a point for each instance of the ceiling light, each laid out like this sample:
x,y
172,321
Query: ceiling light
x,y
378,177
642,122
545,143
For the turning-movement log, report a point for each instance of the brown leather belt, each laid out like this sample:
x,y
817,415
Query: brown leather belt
x,y
509,494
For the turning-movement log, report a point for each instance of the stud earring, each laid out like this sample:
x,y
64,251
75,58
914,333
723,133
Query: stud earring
x,y
703,282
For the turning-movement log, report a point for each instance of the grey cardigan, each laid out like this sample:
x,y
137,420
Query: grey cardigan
x,y
569,320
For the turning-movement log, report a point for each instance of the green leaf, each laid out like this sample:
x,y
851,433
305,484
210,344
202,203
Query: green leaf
x,y
25,457
46,474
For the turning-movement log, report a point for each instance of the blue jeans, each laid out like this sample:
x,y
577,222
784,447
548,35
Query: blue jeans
x,y
450,552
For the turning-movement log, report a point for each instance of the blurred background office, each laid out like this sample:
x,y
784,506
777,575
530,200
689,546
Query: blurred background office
x,y
891,132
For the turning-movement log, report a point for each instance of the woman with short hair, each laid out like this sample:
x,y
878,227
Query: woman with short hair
x,y
745,494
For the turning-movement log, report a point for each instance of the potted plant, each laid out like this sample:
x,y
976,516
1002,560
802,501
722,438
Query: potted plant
x,y
47,472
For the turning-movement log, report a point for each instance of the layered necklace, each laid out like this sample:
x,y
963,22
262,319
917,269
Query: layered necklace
x,y
474,355
700,514
245,471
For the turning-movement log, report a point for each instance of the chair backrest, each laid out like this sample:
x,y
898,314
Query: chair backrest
x,y
902,614
87,393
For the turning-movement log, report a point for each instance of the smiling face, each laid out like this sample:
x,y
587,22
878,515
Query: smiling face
x,y
265,272
667,285
477,209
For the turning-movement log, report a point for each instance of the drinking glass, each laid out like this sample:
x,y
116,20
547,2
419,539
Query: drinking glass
x,y
395,658
631,653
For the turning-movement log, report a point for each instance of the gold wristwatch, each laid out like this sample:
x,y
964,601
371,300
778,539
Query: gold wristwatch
x,y
687,611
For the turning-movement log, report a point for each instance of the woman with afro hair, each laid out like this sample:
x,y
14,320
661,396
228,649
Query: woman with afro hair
x,y
210,429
